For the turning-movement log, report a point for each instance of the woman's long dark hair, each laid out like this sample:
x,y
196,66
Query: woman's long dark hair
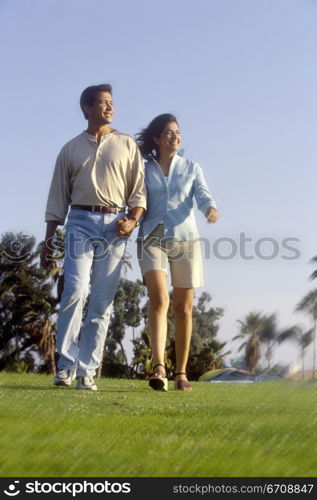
x,y
145,138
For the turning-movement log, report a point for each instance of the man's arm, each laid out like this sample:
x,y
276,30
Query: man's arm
x,y
137,212
137,196
47,251
57,204
59,195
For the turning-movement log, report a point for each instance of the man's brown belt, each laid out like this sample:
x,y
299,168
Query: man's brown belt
x,y
99,208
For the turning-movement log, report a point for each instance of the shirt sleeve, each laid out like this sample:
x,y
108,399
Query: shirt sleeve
x,y
137,194
60,191
202,194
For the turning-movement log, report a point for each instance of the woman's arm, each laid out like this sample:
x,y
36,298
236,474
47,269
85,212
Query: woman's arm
x,y
205,201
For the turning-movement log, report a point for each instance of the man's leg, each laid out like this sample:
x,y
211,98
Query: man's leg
x,y
104,281
77,266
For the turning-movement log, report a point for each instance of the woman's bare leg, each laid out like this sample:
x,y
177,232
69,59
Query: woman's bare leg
x,y
158,305
183,306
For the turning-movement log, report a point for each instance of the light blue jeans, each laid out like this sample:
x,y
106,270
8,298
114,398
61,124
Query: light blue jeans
x,y
93,259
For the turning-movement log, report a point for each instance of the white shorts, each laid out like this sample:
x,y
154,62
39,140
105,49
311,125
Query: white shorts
x,y
184,258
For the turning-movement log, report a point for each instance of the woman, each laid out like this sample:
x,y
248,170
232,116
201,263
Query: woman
x,y
168,234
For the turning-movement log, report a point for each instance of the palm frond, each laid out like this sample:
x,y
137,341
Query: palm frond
x,y
243,345
308,303
313,276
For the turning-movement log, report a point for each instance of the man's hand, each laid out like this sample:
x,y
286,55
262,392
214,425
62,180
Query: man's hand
x,y
46,258
125,226
212,215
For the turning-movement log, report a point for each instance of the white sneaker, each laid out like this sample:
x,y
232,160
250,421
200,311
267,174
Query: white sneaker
x,y
86,384
64,377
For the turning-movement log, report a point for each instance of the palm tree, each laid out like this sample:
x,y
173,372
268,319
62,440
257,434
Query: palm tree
x,y
142,355
309,304
269,336
251,329
26,304
314,273
302,338
209,357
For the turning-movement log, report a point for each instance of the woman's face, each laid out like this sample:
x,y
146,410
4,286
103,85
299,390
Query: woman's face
x,y
170,139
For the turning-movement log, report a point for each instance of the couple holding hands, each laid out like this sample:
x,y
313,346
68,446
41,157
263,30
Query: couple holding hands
x,y
107,189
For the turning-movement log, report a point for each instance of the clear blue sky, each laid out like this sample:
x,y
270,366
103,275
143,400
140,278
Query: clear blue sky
x,y
241,77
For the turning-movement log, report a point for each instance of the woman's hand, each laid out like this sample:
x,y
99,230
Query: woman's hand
x,y
212,215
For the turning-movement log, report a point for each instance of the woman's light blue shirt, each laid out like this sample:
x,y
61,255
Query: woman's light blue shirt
x,y
173,202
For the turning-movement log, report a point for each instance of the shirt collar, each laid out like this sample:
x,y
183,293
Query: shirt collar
x,y
93,139
151,158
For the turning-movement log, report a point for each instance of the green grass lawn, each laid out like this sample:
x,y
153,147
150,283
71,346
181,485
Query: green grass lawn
x,y
127,430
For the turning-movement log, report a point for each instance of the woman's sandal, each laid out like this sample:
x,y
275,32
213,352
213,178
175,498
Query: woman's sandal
x,y
158,379
182,385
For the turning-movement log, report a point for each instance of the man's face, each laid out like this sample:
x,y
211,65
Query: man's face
x,y
101,112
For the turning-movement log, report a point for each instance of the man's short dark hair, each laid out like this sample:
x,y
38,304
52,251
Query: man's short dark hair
x,y
89,95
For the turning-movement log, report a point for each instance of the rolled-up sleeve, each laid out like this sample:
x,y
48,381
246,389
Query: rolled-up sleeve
x,y
137,194
60,190
202,194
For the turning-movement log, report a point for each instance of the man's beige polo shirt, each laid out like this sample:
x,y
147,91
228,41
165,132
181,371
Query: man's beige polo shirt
x,y
110,173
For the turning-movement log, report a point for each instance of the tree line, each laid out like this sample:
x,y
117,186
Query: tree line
x,y
29,301
258,330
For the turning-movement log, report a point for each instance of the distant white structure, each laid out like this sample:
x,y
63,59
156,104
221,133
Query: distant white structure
x,y
290,369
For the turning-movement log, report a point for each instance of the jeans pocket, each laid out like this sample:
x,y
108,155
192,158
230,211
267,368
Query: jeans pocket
x,y
76,214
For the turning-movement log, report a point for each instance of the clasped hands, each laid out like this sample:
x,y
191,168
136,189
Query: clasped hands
x,y
125,226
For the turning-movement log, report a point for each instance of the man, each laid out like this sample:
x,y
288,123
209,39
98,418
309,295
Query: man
x,y
98,175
